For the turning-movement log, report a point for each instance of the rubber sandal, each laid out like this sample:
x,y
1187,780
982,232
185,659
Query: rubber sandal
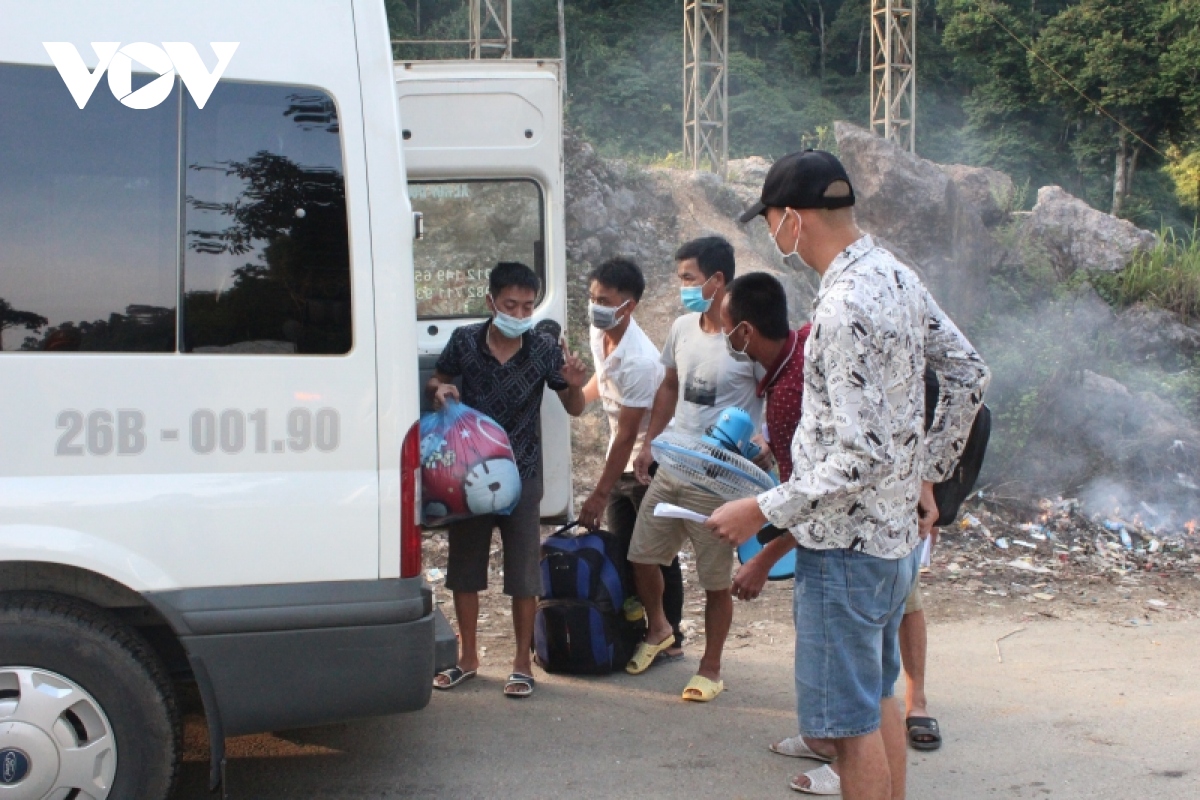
x,y
822,780
701,690
926,727
796,747
455,675
643,657
517,679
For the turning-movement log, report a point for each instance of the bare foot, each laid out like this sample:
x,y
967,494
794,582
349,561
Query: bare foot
x,y
466,665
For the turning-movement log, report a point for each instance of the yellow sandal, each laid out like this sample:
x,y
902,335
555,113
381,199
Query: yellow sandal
x,y
643,657
700,689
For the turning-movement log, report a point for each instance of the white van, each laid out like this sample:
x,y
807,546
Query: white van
x,y
210,359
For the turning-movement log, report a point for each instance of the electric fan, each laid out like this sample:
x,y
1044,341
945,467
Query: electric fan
x,y
719,463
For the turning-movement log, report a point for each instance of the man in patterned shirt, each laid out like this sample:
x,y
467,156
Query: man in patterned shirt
x,y
862,461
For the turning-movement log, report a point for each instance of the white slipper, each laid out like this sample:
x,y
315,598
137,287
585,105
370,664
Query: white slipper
x,y
822,780
795,747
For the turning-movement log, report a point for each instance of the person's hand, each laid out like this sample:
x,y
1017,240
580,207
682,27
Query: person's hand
x,y
765,459
927,510
750,578
737,521
589,515
574,371
445,392
641,464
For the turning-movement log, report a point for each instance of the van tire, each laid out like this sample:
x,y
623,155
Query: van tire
x,y
112,663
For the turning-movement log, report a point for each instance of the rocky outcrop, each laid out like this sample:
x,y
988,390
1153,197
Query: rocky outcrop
x,y
990,191
1155,333
1078,237
919,209
613,209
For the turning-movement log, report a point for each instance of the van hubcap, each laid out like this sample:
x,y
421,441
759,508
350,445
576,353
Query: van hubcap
x,y
54,738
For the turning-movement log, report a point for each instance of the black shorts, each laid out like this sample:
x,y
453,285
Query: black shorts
x,y
520,538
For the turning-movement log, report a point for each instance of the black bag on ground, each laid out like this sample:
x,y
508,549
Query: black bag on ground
x,y
580,627
950,493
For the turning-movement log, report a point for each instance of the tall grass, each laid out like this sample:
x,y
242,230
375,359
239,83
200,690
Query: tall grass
x,y
1167,276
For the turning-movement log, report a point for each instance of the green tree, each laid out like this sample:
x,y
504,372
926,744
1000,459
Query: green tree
x,y
1114,54
12,318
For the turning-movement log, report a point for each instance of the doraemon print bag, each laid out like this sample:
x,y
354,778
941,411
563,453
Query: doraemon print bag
x,y
467,466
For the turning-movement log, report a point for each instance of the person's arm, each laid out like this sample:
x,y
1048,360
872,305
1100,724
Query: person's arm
x,y
441,388
962,380
591,390
572,376
629,421
660,414
752,576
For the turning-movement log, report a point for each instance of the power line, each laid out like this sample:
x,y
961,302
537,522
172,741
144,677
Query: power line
x,y
1064,79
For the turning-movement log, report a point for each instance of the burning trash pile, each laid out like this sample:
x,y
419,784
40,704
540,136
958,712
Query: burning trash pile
x,y
1058,540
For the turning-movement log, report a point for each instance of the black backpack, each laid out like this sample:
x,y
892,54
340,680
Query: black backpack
x,y
950,493
580,627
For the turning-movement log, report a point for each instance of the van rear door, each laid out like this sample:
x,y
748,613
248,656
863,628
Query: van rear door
x,y
483,150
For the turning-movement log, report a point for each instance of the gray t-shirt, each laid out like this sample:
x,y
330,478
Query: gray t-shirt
x,y
709,380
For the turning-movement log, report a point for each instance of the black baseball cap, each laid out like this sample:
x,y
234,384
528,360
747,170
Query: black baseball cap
x,y
800,180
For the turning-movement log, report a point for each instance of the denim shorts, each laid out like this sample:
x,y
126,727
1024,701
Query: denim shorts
x,y
848,608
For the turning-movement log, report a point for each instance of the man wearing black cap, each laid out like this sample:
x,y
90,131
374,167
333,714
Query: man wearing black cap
x,y
860,496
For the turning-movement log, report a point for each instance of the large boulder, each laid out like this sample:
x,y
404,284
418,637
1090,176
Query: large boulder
x,y
990,191
1076,236
1156,333
916,207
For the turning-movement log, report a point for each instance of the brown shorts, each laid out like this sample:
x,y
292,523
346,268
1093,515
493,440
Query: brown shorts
x,y
520,537
913,603
657,540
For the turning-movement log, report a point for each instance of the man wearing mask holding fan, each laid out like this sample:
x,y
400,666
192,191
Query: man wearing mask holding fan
x,y
702,380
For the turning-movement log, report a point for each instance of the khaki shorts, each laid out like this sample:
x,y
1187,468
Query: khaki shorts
x,y
913,603
657,540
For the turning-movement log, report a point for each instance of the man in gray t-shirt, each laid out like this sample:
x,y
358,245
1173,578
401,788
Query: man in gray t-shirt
x,y
702,380
710,380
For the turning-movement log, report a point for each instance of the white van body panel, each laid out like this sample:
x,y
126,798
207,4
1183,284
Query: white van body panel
x,y
246,518
496,119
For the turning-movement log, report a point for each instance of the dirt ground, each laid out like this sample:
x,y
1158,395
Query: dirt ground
x,y
1089,695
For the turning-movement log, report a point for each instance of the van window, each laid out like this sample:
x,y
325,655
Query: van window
x,y
88,218
470,226
266,262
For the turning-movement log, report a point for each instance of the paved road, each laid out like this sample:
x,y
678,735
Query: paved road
x,y
1076,710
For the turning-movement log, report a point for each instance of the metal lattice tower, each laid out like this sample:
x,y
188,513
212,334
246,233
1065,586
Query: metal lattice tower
x,y
706,84
491,29
894,71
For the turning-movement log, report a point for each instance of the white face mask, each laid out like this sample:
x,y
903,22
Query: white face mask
x,y
737,355
793,258
605,318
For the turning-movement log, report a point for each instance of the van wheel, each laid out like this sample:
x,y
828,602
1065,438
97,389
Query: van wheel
x,y
86,709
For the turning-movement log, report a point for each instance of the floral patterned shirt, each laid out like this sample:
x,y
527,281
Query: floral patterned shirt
x,y
861,450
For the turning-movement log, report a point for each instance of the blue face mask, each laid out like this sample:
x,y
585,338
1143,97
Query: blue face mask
x,y
693,298
509,326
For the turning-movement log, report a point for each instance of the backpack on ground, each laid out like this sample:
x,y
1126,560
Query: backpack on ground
x,y
580,627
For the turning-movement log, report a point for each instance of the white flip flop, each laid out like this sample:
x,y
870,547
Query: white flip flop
x,y
796,747
822,780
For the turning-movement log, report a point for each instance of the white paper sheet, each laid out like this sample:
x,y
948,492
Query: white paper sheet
x,y
678,512
926,548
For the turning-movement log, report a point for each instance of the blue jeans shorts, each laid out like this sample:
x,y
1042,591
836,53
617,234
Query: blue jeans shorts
x,y
848,608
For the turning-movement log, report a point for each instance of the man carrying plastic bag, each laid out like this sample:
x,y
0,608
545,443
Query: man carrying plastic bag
x,y
504,365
